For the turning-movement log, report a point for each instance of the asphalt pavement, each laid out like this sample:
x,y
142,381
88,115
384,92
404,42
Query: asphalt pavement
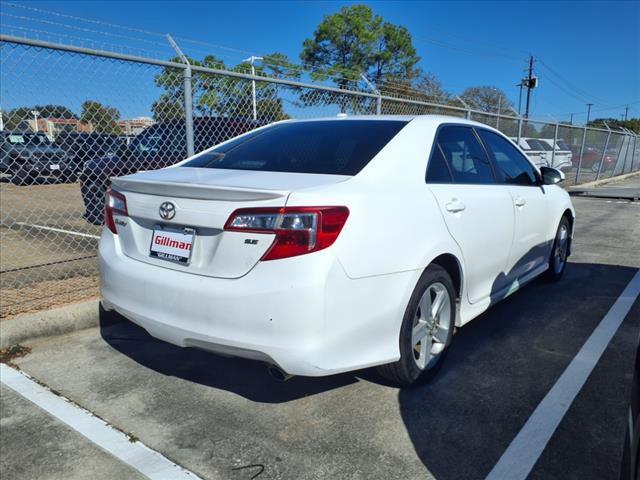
x,y
226,418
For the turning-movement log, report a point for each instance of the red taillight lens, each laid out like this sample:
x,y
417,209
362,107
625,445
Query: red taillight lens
x,y
298,230
115,204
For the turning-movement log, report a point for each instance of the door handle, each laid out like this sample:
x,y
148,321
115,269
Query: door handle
x,y
520,202
455,206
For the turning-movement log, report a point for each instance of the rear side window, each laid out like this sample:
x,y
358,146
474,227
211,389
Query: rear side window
x,y
438,170
464,155
335,147
511,166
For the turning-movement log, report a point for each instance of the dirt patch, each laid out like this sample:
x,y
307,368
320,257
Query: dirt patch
x,y
46,295
11,353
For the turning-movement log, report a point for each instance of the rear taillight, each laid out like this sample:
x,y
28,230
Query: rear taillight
x,y
115,204
298,230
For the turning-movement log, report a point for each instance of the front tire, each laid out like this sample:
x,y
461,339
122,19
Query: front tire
x,y
427,328
559,251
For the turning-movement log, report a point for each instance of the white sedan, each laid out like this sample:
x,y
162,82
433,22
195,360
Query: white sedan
x,y
324,246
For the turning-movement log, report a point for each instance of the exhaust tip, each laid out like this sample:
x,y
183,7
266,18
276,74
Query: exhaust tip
x,y
278,374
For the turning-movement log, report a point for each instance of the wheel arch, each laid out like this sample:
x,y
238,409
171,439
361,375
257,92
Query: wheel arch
x,y
452,265
571,218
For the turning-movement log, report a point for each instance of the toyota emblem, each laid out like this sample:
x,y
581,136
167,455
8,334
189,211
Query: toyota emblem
x,y
167,210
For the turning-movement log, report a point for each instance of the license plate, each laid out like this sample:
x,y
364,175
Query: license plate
x,y
172,245
54,166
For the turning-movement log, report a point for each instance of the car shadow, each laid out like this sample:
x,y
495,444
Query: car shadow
x,y
500,366
464,414
247,378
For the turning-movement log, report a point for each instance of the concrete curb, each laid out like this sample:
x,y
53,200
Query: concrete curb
x,y
595,183
58,321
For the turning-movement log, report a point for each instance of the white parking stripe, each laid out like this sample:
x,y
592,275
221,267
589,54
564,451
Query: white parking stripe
x,y
59,230
135,454
525,449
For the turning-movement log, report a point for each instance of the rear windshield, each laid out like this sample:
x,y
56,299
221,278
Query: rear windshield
x,y
335,147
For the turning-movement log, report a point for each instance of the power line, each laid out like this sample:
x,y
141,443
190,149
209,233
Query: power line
x,y
571,85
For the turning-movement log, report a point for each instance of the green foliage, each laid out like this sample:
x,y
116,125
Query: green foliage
x,y
488,99
103,119
14,117
221,95
355,41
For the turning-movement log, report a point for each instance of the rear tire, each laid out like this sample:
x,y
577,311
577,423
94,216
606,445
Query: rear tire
x,y
424,336
559,251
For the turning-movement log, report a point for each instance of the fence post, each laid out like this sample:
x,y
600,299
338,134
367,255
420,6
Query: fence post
x,y
584,139
604,152
633,154
375,91
626,141
467,115
519,130
188,99
555,142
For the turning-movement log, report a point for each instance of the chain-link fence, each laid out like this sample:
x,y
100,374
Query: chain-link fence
x,y
74,117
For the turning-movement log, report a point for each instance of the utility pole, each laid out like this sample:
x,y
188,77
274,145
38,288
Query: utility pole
x,y
571,120
530,85
252,59
589,105
626,112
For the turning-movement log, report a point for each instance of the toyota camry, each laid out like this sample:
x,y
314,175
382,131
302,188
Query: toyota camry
x,y
329,245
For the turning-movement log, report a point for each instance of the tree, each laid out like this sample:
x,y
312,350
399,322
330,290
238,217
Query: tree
x,y
223,95
13,118
488,99
632,124
355,41
103,119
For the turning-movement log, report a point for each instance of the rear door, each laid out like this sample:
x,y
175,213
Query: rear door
x,y
530,244
477,209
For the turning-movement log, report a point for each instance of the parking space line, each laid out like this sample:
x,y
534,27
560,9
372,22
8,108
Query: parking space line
x,y
59,230
134,453
525,449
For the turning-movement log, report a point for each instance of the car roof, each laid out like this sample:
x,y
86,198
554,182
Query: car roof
x,y
427,120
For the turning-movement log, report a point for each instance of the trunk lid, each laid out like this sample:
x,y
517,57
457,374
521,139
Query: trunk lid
x,y
203,200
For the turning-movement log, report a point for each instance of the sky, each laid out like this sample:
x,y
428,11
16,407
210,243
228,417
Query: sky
x,y
586,52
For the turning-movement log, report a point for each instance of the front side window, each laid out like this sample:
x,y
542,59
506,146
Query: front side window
x,y
334,147
511,166
464,155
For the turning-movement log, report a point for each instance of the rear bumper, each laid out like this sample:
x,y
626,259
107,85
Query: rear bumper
x,y
302,314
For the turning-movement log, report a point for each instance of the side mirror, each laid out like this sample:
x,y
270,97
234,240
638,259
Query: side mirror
x,y
551,176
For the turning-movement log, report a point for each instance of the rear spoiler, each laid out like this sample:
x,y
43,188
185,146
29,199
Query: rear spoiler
x,y
194,190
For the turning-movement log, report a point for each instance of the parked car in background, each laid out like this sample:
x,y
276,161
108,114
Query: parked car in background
x,y
26,156
561,157
82,147
158,146
592,158
533,149
330,245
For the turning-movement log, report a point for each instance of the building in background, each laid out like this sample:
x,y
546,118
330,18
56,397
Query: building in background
x,y
135,125
53,126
